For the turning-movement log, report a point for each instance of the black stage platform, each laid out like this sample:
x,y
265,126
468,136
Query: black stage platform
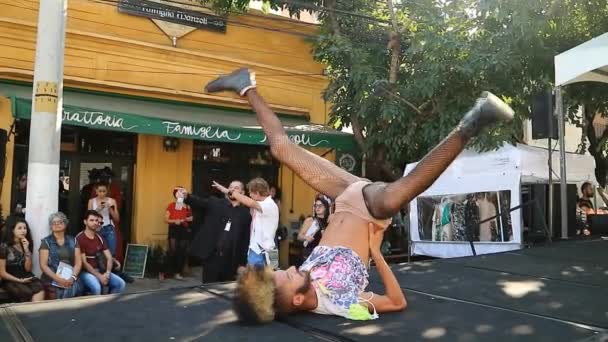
x,y
555,293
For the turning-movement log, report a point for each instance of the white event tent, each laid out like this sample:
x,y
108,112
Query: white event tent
x,y
587,62
499,173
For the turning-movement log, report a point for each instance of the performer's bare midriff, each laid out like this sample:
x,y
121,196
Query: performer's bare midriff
x,y
348,231
334,278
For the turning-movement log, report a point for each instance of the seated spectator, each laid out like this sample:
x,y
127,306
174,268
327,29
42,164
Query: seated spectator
x,y
55,248
16,263
96,258
587,193
116,267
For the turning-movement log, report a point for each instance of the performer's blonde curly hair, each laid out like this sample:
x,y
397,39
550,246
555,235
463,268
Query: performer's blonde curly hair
x,y
254,301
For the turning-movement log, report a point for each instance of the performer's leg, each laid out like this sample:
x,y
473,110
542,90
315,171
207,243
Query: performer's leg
x,y
384,200
319,173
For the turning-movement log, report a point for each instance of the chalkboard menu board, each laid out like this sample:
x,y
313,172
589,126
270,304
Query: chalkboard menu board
x,y
135,260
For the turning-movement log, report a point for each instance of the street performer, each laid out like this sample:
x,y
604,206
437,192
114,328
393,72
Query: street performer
x,y
334,277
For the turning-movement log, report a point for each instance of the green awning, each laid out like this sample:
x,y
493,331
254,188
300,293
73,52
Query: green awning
x,y
183,121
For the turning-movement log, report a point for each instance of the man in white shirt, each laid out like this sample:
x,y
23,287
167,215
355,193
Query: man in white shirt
x,y
265,219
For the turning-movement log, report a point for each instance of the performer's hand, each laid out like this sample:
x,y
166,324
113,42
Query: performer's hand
x,y
376,235
26,245
220,187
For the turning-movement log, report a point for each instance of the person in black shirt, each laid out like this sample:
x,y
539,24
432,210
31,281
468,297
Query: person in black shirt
x,y
222,240
587,195
16,263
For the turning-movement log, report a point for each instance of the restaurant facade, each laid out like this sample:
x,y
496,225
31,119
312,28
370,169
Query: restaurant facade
x,y
134,105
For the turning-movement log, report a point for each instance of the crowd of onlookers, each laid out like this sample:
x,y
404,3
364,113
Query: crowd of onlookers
x,y
70,266
234,229
238,228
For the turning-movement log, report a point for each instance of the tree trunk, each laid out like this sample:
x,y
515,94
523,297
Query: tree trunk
x,y
357,132
385,171
600,171
333,21
377,168
393,44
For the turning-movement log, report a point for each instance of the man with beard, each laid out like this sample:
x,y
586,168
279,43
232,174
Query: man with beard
x,y
222,240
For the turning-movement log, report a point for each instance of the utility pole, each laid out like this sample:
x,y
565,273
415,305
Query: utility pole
x,y
45,123
562,161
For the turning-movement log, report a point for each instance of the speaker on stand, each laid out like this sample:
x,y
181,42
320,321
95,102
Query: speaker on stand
x,y
533,220
544,123
544,126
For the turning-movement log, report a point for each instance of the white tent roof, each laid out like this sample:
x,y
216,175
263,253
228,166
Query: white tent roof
x,y
587,62
529,162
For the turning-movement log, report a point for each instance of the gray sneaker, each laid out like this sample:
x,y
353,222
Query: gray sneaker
x,y
488,110
238,81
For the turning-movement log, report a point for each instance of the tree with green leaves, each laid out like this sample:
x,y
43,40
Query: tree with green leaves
x,y
402,74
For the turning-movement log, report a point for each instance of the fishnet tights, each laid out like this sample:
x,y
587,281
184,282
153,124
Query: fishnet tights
x,y
386,199
321,174
383,200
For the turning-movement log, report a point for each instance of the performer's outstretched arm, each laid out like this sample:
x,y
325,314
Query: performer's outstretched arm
x,y
393,298
384,200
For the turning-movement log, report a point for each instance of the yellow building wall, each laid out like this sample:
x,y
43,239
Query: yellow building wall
x,y
296,200
157,172
111,51
118,53
6,119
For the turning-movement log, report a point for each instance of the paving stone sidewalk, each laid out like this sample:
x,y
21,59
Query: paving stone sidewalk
x,y
150,284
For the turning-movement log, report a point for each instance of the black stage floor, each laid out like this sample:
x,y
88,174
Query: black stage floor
x,y
555,293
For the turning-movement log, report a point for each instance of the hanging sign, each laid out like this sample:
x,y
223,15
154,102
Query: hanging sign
x,y
303,135
172,14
